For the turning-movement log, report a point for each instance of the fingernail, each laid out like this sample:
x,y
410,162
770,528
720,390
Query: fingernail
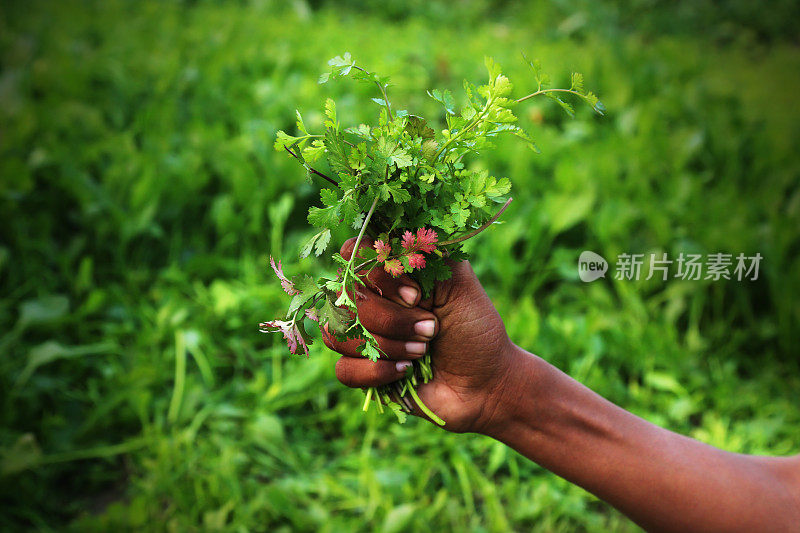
x,y
416,348
425,328
402,365
408,294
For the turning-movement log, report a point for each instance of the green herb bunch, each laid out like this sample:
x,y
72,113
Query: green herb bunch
x,y
411,189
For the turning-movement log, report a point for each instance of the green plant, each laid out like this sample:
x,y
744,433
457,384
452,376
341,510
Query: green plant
x,y
406,185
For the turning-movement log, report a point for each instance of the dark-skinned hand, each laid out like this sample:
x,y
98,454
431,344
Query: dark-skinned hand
x,y
470,351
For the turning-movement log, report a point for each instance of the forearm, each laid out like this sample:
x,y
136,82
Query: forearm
x,y
661,480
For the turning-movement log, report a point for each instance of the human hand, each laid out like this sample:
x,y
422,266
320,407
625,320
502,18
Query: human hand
x,y
471,354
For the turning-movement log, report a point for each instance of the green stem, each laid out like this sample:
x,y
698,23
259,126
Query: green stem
x,y
367,399
383,91
309,167
543,91
461,133
354,254
424,408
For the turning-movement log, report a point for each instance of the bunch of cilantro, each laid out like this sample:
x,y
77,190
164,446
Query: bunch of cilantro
x,y
408,187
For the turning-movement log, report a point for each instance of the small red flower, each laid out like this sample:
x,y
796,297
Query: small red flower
x,y
383,249
416,261
393,267
287,285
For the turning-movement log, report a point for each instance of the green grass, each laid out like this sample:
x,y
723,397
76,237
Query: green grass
x,y
140,198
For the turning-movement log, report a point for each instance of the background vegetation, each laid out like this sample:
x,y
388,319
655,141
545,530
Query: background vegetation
x,y
140,199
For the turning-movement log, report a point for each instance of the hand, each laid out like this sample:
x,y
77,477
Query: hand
x,y
471,354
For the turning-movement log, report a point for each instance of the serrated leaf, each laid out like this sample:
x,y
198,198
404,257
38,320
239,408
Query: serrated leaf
x,y
336,318
398,411
322,242
330,112
576,82
564,105
401,158
500,188
370,351
492,67
349,210
341,61
308,289
284,140
300,125
314,151
327,217
337,155
445,98
418,127
358,221
502,86
308,247
329,197
362,131
459,215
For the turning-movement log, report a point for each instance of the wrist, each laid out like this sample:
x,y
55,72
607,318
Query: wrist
x,y
516,395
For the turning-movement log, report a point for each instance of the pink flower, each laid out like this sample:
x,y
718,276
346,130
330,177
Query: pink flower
x,y
416,261
290,333
408,241
426,240
393,267
383,249
287,285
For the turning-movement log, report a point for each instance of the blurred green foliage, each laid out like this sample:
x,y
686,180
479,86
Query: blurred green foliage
x,y
140,199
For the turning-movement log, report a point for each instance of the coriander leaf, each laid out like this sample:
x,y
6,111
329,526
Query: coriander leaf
x,y
501,187
308,247
329,197
340,61
337,155
330,112
327,217
418,127
368,350
336,318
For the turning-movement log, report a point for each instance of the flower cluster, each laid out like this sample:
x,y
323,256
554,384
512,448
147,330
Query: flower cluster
x,y
413,246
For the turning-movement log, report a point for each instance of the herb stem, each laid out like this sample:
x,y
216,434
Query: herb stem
x,y
383,91
309,168
424,408
543,91
461,133
367,399
363,229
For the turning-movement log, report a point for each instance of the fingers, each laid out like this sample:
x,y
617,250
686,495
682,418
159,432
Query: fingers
x,y
392,348
355,372
402,290
392,321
